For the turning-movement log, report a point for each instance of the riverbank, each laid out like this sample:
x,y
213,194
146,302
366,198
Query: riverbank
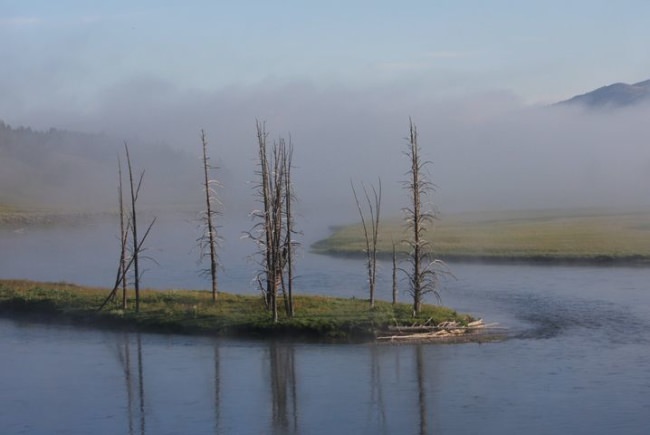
x,y
19,217
193,312
579,237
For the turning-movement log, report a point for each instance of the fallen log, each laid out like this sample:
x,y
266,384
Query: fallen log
x,y
445,330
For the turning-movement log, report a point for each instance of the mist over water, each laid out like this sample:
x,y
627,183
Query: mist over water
x,y
487,151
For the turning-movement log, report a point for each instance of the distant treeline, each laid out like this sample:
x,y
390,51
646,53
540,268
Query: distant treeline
x,y
72,169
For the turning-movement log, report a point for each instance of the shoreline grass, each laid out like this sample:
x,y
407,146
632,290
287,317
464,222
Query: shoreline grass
x,y
317,318
581,236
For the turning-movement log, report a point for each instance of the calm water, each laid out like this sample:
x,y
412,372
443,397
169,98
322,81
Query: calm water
x,y
578,361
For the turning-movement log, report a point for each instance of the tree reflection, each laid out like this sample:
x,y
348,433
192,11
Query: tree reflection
x,y
377,406
422,395
123,350
217,389
283,388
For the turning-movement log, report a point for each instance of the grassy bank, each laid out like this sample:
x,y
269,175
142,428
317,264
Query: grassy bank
x,y
192,312
12,216
573,236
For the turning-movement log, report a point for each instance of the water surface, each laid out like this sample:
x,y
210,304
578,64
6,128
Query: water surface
x,y
578,360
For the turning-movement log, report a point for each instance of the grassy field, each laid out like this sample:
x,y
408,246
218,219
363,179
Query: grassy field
x,y
536,236
193,312
13,216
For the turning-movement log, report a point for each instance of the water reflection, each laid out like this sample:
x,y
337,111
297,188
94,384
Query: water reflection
x,y
217,389
422,394
395,385
377,406
123,352
153,384
283,388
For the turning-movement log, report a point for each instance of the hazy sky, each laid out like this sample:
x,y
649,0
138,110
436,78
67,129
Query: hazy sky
x,y
540,51
343,77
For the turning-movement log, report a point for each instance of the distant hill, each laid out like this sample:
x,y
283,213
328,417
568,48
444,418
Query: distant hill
x,y
614,95
67,169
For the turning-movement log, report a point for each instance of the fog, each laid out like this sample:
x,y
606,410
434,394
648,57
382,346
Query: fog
x,y
488,151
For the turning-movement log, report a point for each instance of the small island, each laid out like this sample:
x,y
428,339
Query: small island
x,y
318,318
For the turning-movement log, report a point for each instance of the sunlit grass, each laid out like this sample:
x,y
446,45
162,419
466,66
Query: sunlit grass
x,y
187,311
578,234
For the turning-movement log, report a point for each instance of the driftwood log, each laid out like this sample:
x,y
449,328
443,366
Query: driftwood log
x,y
445,331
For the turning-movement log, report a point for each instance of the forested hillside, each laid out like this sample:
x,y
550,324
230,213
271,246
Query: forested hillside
x,y
58,168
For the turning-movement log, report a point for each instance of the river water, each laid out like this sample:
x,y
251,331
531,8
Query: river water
x,y
577,359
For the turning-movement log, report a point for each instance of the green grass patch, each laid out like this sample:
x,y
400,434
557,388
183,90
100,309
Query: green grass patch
x,y
193,312
563,235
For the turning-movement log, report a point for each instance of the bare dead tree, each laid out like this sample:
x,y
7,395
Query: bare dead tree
x,y
122,267
209,240
137,244
134,227
263,231
128,225
121,272
423,271
123,236
286,152
274,231
370,233
394,258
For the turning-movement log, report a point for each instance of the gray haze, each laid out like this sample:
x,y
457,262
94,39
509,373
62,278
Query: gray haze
x,y
488,151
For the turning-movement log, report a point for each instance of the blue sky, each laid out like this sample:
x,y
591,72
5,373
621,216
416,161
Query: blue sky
x,y
539,51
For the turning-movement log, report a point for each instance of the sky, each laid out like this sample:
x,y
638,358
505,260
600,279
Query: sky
x,y
540,51
343,77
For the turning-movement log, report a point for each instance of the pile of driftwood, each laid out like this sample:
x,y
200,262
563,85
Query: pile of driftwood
x,y
445,331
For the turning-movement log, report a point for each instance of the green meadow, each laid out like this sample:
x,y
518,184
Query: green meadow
x,y
536,236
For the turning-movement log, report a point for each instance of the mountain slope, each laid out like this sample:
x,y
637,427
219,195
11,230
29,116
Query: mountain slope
x,y
614,95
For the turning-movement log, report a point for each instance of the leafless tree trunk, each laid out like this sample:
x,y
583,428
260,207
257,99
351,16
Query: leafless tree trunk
x,y
423,271
135,190
265,193
128,224
209,239
394,258
123,236
273,233
371,234
121,277
287,157
136,242
264,232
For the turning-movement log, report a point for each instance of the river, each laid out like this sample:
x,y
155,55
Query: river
x,y
577,359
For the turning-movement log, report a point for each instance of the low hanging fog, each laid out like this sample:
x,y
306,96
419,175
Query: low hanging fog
x,y
487,151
